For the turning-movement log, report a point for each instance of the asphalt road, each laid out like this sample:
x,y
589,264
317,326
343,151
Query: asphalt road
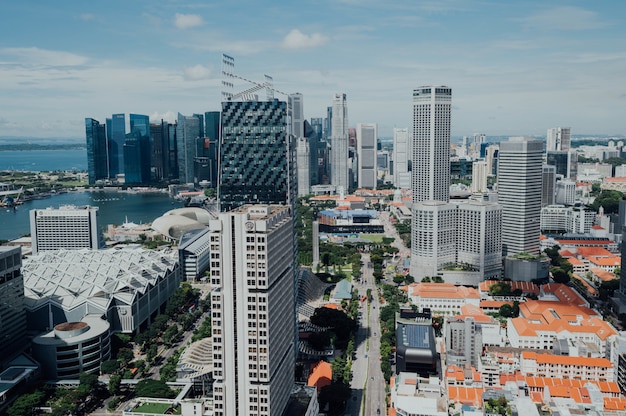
x,y
368,384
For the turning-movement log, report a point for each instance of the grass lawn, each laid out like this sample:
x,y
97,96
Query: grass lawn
x,y
374,238
155,408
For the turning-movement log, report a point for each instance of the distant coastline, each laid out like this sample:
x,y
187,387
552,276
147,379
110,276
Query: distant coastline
x,y
36,146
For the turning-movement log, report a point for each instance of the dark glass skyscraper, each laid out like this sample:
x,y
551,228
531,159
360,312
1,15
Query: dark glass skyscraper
x,y
137,159
188,130
257,161
97,152
116,133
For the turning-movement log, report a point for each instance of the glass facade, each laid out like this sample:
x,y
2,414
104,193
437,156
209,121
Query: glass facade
x,y
257,154
116,130
97,155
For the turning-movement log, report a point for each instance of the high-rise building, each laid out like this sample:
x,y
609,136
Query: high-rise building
x,y
297,118
116,136
558,138
97,151
12,312
137,153
401,158
188,130
252,309
477,144
367,140
566,162
313,138
258,154
210,149
137,158
339,143
548,185
303,155
519,193
479,176
565,192
431,143
465,233
159,133
67,227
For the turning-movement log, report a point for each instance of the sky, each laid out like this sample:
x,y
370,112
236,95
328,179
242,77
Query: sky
x,y
515,67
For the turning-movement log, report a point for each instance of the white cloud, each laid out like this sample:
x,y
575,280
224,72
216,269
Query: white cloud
x,y
564,18
36,56
298,40
187,21
197,72
168,116
87,16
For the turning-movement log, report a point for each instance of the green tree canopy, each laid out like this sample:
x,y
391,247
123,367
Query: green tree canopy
x,y
154,388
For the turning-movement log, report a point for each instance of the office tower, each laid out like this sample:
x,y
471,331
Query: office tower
x,y
140,123
12,312
252,309
479,176
478,144
548,185
303,155
401,158
297,118
258,154
188,130
137,153
491,157
313,138
566,162
457,233
431,143
97,151
211,145
137,158
339,143
116,136
519,193
367,141
565,192
159,132
558,138
67,227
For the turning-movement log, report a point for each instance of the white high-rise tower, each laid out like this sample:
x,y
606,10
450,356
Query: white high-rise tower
x,y
519,193
401,158
252,301
558,138
431,143
339,143
367,139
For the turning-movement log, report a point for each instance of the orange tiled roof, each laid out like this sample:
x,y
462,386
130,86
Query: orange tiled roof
x,y
574,261
494,303
564,293
466,395
605,261
321,375
614,403
458,373
331,306
443,291
590,289
594,251
526,287
586,242
566,360
566,253
602,274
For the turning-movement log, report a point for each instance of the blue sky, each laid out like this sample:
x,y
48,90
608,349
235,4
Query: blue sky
x,y
515,67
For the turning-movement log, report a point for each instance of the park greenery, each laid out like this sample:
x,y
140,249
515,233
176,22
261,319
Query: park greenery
x,y
393,299
560,268
608,200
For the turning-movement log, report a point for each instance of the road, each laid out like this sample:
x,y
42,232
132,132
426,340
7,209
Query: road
x,y
368,384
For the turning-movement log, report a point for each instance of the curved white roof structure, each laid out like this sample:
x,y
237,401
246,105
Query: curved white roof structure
x,y
173,224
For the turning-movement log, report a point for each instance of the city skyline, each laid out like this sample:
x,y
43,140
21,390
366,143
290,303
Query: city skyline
x,y
516,68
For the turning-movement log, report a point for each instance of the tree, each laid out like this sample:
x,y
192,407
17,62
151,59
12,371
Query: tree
x,y
125,355
559,275
114,383
426,279
88,383
24,404
109,366
335,395
153,388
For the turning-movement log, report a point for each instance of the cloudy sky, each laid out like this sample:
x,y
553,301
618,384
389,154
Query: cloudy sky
x,y
515,67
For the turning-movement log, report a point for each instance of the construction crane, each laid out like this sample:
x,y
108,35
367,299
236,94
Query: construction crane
x,y
228,73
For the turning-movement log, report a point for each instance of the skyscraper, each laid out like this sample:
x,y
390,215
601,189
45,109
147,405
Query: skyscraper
x,y
339,143
303,154
431,143
258,154
252,310
188,130
519,193
12,312
67,227
401,158
548,185
116,135
367,140
558,138
137,154
159,133
479,176
97,151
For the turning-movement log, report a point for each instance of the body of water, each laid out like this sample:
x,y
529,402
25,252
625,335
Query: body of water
x,y
43,160
114,208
